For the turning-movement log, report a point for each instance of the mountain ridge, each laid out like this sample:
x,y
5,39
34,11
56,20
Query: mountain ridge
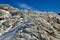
x,y
18,24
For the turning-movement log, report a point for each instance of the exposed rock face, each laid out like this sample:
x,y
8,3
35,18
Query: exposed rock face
x,y
25,25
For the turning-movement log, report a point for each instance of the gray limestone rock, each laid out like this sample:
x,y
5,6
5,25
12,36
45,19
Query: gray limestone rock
x,y
18,24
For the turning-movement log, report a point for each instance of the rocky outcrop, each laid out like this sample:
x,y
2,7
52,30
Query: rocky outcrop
x,y
28,25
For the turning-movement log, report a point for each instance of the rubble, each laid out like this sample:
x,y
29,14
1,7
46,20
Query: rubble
x,y
18,24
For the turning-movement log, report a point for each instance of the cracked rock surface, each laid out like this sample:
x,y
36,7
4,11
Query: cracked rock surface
x,y
18,24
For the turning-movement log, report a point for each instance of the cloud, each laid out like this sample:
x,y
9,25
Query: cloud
x,y
25,6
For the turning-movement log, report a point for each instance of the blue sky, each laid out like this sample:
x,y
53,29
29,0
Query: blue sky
x,y
39,5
